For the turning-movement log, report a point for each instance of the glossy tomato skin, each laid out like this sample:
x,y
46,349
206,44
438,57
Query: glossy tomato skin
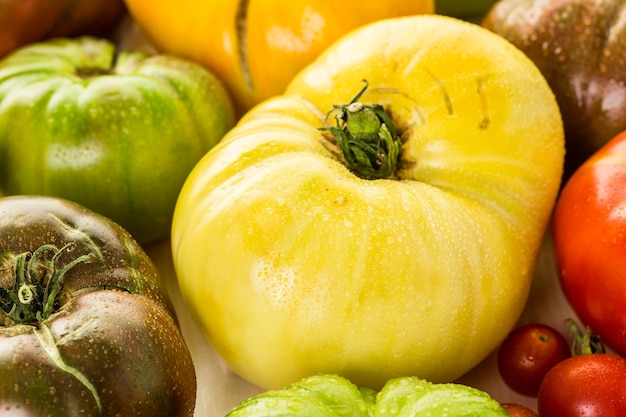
x,y
578,45
296,265
257,47
589,231
518,410
527,354
322,395
111,345
23,22
116,133
585,386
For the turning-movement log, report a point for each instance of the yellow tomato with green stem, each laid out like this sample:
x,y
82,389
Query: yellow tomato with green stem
x,y
257,46
322,236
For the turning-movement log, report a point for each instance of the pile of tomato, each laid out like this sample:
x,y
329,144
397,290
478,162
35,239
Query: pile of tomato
x,y
589,231
579,47
357,190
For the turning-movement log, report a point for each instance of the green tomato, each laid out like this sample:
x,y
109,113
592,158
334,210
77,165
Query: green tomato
x,y
333,396
295,264
115,133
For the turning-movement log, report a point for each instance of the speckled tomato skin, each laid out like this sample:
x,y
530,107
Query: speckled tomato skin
x,y
580,47
113,324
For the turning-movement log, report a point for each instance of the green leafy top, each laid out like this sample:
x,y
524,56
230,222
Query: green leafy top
x,y
367,138
38,281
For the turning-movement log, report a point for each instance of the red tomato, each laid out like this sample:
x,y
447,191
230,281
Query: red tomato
x,y
585,386
518,410
589,232
527,354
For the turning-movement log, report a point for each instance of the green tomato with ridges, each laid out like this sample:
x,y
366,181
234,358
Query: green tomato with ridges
x,y
116,131
328,395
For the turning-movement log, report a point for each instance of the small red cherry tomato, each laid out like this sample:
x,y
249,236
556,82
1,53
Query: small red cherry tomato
x,y
589,232
527,354
585,386
518,410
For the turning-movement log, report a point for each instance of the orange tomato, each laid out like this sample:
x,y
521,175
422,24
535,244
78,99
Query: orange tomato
x,y
256,47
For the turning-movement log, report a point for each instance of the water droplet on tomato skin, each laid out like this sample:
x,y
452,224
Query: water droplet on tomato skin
x,y
295,407
271,403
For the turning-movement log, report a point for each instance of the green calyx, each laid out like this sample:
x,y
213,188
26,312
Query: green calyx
x,y
584,343
367,138
38,281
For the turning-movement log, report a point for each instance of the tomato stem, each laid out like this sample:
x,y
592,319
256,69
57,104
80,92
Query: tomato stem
x,y
586,343
38,281
50,346
367,138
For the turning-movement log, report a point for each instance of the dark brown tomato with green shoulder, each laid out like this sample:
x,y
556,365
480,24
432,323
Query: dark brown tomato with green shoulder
x,y
85,327
580,47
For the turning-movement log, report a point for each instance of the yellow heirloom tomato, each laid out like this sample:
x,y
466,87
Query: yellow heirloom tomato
x,y
294,264
257,46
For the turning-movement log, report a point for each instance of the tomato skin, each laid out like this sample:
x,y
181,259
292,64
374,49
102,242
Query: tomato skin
x,y
257,47
23,22
112,322
589,231
117,133
527,354
518,410
577,45
585,386
295,265
323,394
